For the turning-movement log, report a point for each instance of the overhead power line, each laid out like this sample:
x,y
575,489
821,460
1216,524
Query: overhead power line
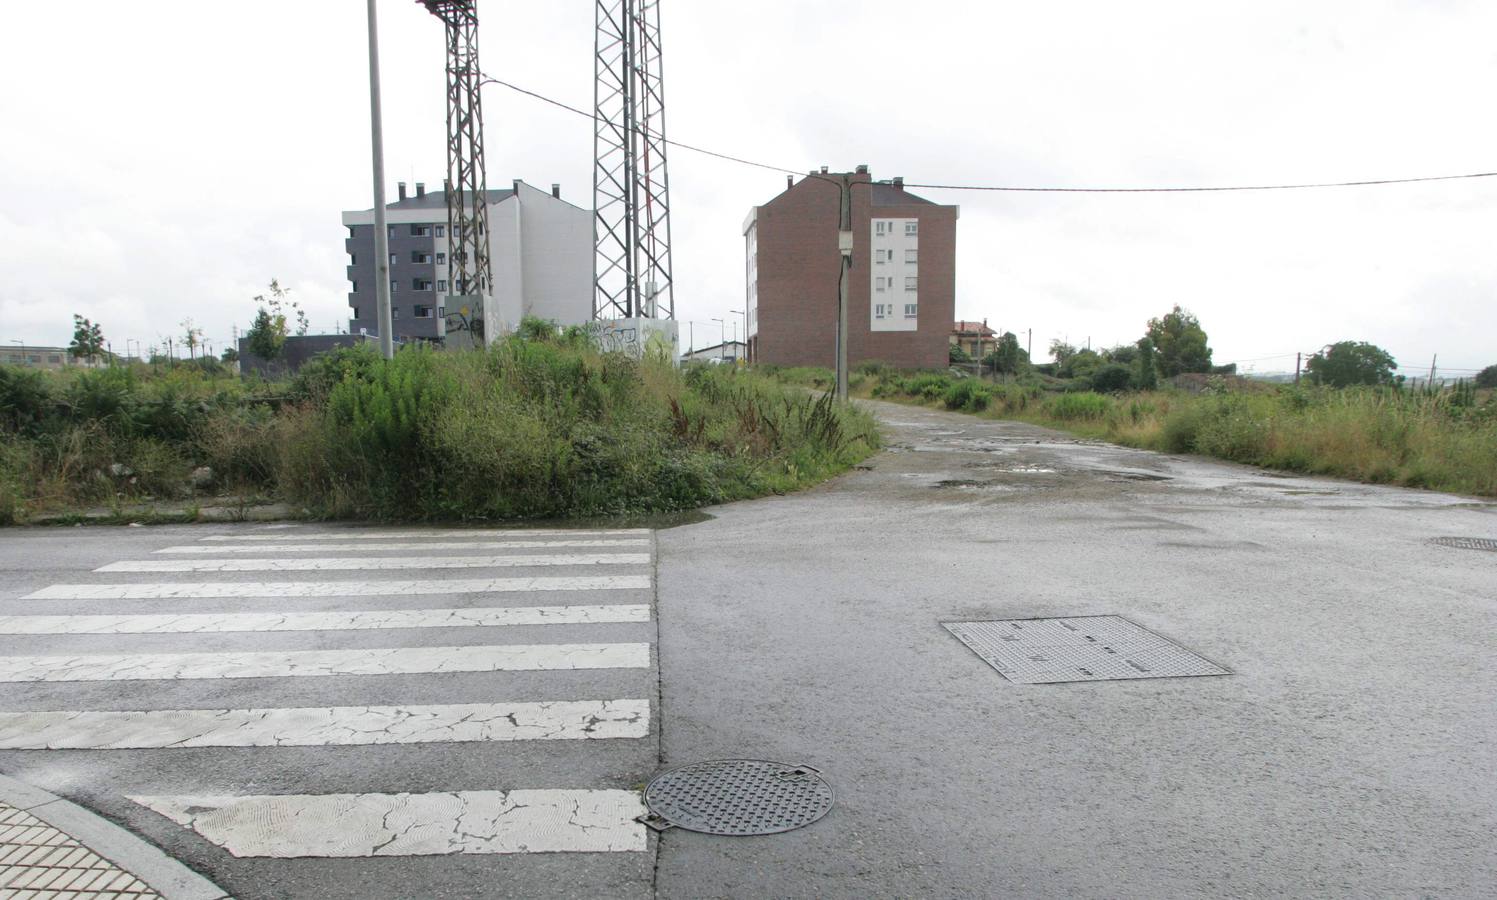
x,y
1199,190
582,112
487,79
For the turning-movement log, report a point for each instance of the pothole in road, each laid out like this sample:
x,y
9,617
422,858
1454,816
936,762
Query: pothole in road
x,y
971,484
1135,476
1465,543
737,797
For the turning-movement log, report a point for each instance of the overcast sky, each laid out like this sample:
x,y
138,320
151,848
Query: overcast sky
x,y
167,159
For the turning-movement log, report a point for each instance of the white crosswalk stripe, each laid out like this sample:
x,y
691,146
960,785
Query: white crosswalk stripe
x,y
205,549
218,590
313,663
338,825
325,726
560,636
469,533
359,563
210,623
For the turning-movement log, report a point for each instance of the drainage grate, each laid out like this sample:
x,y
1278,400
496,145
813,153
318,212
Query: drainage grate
x,y
1081,648
1465,543
737,797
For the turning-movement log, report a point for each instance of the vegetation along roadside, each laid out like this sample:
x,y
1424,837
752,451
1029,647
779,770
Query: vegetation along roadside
x,y
1444,438
542,425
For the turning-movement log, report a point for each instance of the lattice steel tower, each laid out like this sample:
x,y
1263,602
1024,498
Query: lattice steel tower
x,y
631,193
466,187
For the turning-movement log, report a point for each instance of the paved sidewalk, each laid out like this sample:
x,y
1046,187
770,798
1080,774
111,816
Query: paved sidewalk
x,y
92,859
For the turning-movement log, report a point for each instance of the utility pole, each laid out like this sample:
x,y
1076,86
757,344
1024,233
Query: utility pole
x,y
844,244
381,232
1432,369
1029,346
1296,367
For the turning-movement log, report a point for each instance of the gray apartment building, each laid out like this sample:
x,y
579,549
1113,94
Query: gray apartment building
x,y
540,250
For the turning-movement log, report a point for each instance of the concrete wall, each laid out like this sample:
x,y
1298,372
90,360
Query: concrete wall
x,y
556,245
297,351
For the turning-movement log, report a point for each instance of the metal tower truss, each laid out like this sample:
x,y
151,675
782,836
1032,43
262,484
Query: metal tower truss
x,y
631,191
466,187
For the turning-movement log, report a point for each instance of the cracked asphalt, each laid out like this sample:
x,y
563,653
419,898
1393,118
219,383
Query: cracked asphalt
x,y
1348,755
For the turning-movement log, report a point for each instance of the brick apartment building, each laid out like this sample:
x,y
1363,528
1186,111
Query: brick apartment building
x,y
901,296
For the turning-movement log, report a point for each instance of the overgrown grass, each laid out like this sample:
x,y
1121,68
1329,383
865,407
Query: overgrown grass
x,y
539,426
1443,439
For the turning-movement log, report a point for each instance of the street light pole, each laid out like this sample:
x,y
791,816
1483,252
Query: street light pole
x,y
722,340
844,243
381,235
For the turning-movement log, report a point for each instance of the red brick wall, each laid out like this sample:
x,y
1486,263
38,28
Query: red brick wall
x,y
798,271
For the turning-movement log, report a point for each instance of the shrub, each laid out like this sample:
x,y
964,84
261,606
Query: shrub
x,y
1111,378
967,395
1079,406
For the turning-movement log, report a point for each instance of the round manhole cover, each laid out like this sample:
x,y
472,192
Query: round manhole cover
x,y
737,797
1466,543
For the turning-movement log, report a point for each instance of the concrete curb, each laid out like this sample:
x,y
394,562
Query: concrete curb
x,y
165,875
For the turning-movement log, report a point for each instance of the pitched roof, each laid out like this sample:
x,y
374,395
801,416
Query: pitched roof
x,y
965,327
889,195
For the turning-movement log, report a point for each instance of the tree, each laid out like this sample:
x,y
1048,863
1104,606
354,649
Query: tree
x,y
88,339
1080,364
1180,343
1122,354
1110,378
1061,352
957,356
192,336
1487,378
267,336
1145,376
1351,362
230,355
1008,358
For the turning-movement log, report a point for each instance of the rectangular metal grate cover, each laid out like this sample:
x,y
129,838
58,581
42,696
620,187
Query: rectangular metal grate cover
x,y
1466,543
1079,648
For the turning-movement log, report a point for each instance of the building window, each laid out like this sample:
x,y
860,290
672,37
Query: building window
x,y
912,228
394,286
420,284
879,227
878,283
909,310
909,256
423,312
441,286
441,259
394,312
420,231
441,231
392,259
390,230
878,311
909,282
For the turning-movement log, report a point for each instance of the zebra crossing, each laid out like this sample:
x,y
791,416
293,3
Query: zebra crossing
x,y
519,610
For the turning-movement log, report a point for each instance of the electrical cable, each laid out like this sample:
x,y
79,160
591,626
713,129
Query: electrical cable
x,y
572,109
487,79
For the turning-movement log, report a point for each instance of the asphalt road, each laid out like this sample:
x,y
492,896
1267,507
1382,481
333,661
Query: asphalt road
x,y
1349,753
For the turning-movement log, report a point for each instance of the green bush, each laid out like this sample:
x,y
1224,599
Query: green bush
x,y
967,395
1080,406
